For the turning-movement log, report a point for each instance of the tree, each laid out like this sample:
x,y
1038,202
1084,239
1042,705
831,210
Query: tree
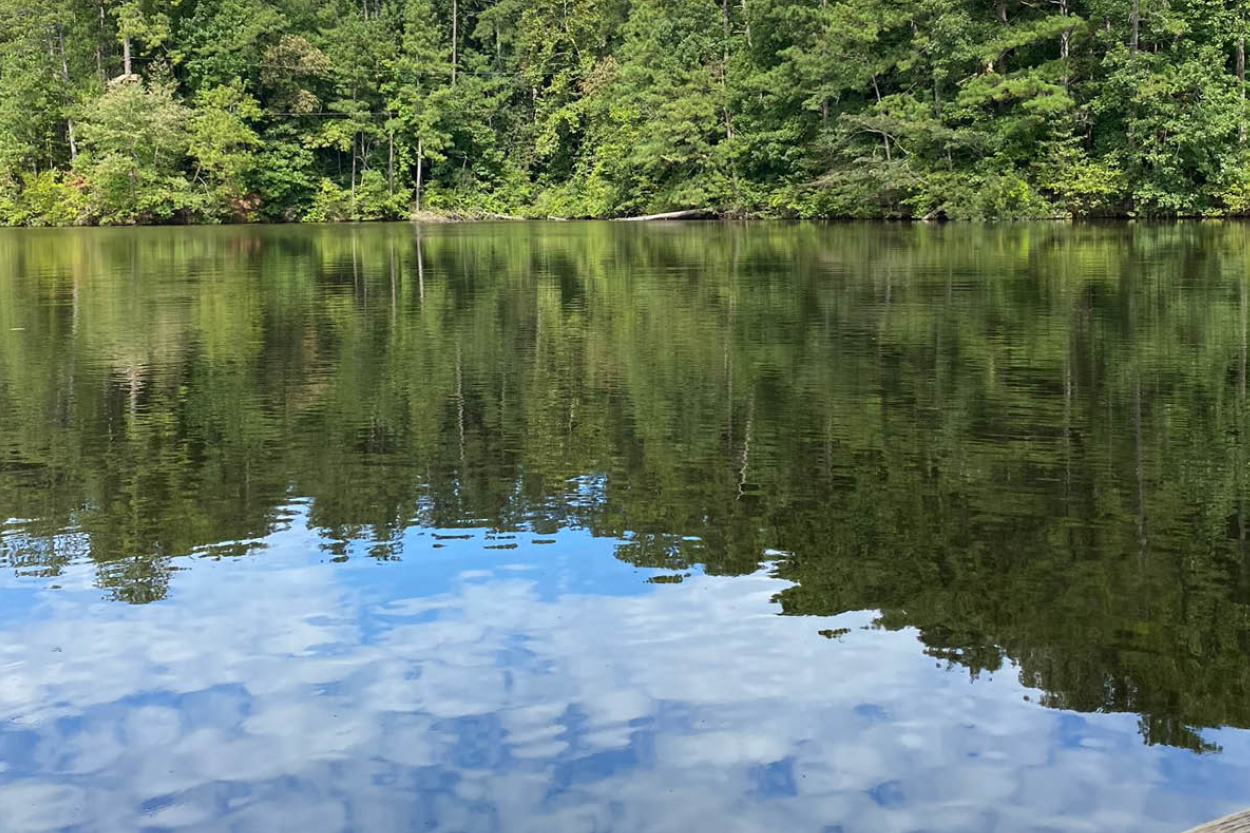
x,y
140,23
419,93
671,92
223,145
134,141
224,39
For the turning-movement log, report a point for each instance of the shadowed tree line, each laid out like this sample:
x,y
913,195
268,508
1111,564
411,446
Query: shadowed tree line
x,y
1028,443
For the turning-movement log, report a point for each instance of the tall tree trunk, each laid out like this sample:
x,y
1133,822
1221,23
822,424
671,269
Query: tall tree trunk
x,y
354,176
390,162
724,72
69,122
126,54
1134,41
455,28
1241,82
99,48
884,138
1001,12
1065,42
1135,24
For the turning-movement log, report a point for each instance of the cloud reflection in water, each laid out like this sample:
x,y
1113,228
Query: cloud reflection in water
x,y
539,689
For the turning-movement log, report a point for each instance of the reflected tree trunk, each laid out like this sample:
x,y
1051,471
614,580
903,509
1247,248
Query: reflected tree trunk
x,y
1139,455
460,408
393,293
420,165
420,268
1241,424
746,448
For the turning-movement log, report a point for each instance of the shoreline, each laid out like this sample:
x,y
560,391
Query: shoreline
x,y
430,218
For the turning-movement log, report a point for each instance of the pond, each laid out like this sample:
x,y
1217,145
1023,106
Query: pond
x,y
624,527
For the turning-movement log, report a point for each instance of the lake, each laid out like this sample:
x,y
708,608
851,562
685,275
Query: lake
x,y
624,527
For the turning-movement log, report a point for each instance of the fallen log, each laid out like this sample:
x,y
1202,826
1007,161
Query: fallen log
x,y
459,216
668,215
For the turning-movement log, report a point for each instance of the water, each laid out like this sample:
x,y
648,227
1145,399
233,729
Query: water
x,y
597,527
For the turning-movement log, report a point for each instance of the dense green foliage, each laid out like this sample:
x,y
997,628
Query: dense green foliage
x,y
1028,442
135,111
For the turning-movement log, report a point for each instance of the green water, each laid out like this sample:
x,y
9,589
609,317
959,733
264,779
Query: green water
x,y
625,527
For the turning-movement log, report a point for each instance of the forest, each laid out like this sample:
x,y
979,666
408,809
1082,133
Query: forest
x,y
205,111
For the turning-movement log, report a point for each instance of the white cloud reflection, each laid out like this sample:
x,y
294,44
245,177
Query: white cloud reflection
x,y
277,693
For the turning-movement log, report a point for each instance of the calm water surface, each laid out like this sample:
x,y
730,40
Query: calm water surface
x,y
596,527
